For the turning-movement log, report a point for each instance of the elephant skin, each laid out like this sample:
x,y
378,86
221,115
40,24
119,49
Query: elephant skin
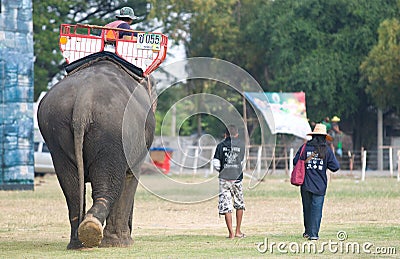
x,y
98,123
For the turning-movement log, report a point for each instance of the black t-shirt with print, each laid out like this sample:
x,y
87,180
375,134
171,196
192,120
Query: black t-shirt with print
x,y
230,152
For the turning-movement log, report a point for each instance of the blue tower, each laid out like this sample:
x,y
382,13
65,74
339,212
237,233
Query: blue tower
x,y
16,95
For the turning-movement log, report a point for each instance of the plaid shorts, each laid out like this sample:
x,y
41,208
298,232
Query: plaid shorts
x,y
230,196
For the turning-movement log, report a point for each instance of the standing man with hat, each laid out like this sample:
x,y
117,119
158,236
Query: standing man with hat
x,y
315,183
125,19
337,136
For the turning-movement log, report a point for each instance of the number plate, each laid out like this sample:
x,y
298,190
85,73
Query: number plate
x,y
148,41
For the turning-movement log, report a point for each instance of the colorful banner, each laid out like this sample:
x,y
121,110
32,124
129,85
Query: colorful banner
x,y
283,112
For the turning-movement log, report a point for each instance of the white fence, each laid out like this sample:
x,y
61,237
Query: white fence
x,y
260,158
265,159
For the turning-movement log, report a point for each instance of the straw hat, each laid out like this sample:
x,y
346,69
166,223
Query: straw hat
x,y
320,129
335,119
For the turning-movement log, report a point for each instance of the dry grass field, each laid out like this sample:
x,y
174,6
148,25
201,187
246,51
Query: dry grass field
x,y
34,224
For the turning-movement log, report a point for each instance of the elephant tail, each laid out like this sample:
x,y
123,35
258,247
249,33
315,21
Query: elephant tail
x,y
80,122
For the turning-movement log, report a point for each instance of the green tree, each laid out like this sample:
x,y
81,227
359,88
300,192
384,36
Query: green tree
x,y
380,68
315,46
207,28
47,18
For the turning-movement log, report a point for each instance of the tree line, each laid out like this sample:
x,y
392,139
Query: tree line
x,y
344,54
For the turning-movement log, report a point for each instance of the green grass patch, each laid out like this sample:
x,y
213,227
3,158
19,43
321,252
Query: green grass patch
x,y
34,224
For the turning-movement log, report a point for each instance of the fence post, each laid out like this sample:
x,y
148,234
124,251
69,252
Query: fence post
x,y
391,161
273,161
211,161
291,156
183,161
398,165
286,159
247,156
259,153
196,157
351,160
364,165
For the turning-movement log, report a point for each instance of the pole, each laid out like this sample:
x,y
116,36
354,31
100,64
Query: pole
x,y
211,161
183,160
398,166
196,157
380,139
391,161
246,134
173,121
291,156
259,153
364,165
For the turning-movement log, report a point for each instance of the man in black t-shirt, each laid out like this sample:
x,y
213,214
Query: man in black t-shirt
x,y
228,161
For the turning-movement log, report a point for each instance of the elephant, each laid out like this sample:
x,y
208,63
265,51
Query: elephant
x,y
98,123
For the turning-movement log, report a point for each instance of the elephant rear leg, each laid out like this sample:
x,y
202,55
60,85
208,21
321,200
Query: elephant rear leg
x,y
118,229
107,182
67,176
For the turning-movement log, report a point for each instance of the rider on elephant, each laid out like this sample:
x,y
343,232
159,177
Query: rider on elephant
x,y
125,19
